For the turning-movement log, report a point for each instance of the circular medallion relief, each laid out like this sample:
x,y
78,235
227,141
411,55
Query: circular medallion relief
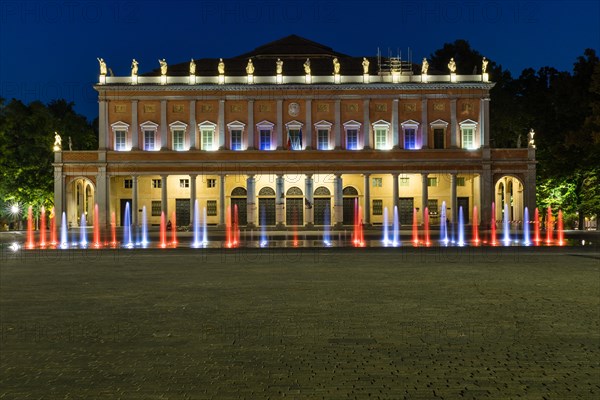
x,y
294,109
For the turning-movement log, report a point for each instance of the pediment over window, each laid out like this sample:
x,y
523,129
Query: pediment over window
x,y
410,122
381,124
352,124
264,124
119,126
207,125
468,122
294,125
178,125
149,126
236,125
439,123
323,125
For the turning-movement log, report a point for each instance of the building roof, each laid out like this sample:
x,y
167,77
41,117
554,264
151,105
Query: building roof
x,y
293,50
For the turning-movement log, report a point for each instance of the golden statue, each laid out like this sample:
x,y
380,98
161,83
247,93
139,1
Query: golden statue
x,y
484,64
102,66
336,66
307,66
531,141
134,67
57,142
279,66
365,65
452,66
221,67
424,67
192,67
163,66
250,67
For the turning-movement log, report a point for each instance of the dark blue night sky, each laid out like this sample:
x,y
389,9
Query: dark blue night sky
x,y
48,49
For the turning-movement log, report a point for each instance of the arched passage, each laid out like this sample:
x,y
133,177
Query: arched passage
x,y
81,197
509,191
266,206
350,198
294,206
322,206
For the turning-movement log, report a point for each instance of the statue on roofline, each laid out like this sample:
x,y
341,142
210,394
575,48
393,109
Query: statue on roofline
x,y
221,67
192,67
279,66
250,67
484,64
103,68
134,67
307,66
424,66
336,66
163,66
365,65
452,66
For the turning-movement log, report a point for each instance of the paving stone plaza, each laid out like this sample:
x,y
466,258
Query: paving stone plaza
x,y
375,323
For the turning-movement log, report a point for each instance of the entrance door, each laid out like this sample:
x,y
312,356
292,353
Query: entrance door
x,y
122,211
438,138
349,208
242,210
266,211
464,203
182,212
322,211
294,211
405,210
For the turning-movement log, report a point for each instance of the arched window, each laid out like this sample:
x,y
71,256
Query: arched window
x,y
294,191
322,191
266,191
350,191
239,191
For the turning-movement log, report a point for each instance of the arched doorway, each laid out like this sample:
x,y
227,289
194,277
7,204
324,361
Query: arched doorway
x,y
266,206
322,206
81,197
239,199
294,206
350,198
509,191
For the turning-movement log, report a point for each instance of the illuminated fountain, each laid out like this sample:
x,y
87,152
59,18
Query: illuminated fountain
x,y
476,240
506,226
326,234
163,231
127,236
43,227
426,240
64,237
113,229
386,238
461,227
264,242
536,226
196,241
30,241
396,228
83,231
526,238
174,229
559,229
97,242
144,241
358,236
295,228
444,225
53,239
493,241
415,229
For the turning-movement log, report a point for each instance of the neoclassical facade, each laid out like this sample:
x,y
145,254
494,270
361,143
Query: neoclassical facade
x,y
293,134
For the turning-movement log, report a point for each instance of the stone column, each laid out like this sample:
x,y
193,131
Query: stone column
x,y
163,125
192,197
279,201
279,127
367,206
309,211
484,124
250,129
164,205
59,201
193,127
453,124
102,125
395,131
251,205
308,129
221,123
135,137
425,195
338,201
222,200
367,125
486,188
453,198
424,125
101,198
395,193
337,129
134,200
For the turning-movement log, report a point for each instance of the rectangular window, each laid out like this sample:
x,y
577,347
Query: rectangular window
x,y
404,181
460,181
432,206
468,138
410,139
432,182
184,183
236,139
377,207
128,183
156,208
265,139
156,183
208,139
120,140
211,208
178,140
381,139
352,139
438,138
377,182
322,139
211,183
295,139
149,140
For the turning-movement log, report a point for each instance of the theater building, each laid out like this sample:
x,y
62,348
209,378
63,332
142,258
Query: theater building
x,y
293,133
